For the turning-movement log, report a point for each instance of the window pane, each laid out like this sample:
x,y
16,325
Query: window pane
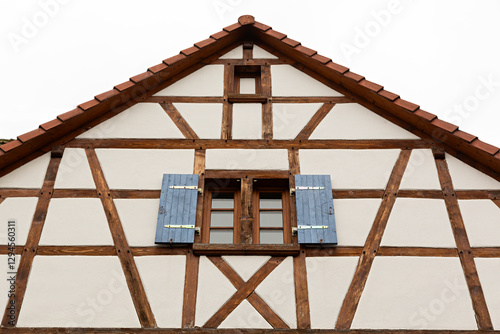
x,y
271,237
222,200
270,201
221,218
247,85
221,236
271,219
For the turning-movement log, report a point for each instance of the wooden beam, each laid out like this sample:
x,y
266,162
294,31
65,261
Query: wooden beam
x,y
246,218
7,192
314,121
311,99
238,174
301,291
438,194
243,292
255,300
358,193
249,62
267,107
135,193
76,250
227,108
417,251
30,248
483,318
372,244
478,194
179,121
218,143
184,99
246,249
190,290
199,168
134,282
485,251
74,193
334,251
246,98
159,250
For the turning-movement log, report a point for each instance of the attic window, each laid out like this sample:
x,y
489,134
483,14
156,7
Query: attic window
x,y
247,85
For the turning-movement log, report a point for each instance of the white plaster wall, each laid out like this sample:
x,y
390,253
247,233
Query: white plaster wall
x,y
143,120
354,219
207,81
29,175
466,177
416,293
74,171
482,222
245,316
236,53
247,121
138,217
328,279
76,222
77,291
143,168
204,118
278,291
290,118
245,265
419,222
5,285
421,171
351,169
20,209
488,270
260,53
353,121
214,289
247,159
288,81
163,280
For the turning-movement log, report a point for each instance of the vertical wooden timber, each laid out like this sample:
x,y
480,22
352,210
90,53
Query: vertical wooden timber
x,y
227,108
267,108
199,168
483,318
246,218
179,121
247,50
372,244
30,248
134,282
314,121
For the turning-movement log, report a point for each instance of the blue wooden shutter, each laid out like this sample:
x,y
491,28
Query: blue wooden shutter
x,y
315,215
177,207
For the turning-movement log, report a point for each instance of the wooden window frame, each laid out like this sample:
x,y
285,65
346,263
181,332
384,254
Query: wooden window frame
x,y
285,210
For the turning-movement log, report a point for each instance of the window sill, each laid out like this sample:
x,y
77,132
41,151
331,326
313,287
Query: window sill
x,y
246,249
246,98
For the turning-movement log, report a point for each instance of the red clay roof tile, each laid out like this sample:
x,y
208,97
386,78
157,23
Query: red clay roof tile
x,y
67,115
308,52
354,76
51,124
189,50
157,68
174,59
30,135
261,26
125,85
465,136
232,27
219,35
485,146
89,104
293,43
406,104
444,125
10,145
388,95
338,68
106,95
246,19
205,42
371,85
321,59
275,34
140,77
425,115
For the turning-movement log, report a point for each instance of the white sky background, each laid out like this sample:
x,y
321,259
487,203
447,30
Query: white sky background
x,y
442,55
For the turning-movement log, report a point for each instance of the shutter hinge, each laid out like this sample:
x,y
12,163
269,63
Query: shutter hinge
x,y
309,188
308,227
200,190
191,227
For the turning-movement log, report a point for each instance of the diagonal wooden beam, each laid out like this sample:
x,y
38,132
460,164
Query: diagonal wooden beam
x,y
179,121
243,292
30,248
255,300
483,318
134,282
372,244
314,121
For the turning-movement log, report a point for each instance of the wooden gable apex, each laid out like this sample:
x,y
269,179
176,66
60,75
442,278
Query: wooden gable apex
x,y
67,126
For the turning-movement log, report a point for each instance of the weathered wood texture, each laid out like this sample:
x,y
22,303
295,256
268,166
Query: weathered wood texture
x,y
227,108
246,249
246,217
190,290
267,108
306,132
179,121
134,282
372,244
301,291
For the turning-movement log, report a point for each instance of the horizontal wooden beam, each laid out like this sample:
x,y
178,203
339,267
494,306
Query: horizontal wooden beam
x,y
76,250
254,144
261,174
7,192
184,99
246,98
246,249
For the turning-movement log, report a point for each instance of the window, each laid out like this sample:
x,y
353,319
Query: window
x,y
247,79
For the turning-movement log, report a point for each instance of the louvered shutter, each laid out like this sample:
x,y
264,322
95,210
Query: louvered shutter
x,y
177,208
315,215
